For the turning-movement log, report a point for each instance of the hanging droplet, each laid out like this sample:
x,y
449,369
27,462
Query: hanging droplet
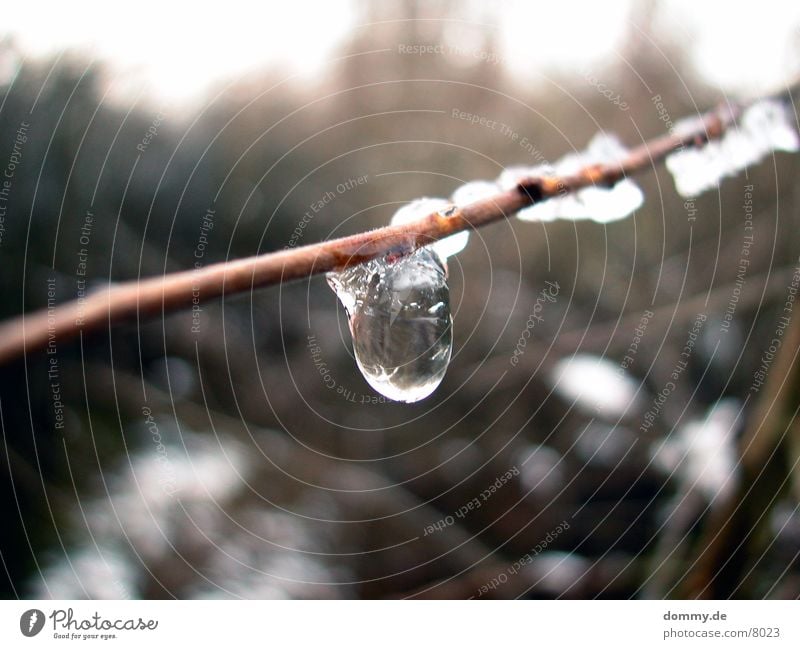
x,y
399,316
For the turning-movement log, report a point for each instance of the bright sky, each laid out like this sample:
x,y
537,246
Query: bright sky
x,y
179,49
740,46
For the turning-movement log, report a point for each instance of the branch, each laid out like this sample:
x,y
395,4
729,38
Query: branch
x,y
174,291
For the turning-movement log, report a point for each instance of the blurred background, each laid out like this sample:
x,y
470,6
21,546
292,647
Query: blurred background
x,y
644,443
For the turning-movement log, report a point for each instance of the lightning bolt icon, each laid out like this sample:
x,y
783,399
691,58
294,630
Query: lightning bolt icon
x,y
32,620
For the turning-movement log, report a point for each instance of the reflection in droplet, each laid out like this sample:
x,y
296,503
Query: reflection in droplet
x,y
399,316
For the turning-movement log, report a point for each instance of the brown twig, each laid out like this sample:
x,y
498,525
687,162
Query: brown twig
x,y
179,290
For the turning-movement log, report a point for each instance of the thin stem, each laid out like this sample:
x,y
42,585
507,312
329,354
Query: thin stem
x,y
174,291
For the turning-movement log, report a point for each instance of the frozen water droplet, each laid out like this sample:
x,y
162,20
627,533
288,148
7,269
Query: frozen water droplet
x,y
764,127
474,191
773,124
421,207
600,204
693,170
511,176
399,316
605,204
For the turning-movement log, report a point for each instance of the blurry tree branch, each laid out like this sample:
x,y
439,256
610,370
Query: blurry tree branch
x,y
767,468
147,298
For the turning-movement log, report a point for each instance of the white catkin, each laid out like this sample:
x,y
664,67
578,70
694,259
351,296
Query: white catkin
x,y
764,127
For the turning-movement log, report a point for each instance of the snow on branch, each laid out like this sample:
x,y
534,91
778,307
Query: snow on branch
x,y
143,299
